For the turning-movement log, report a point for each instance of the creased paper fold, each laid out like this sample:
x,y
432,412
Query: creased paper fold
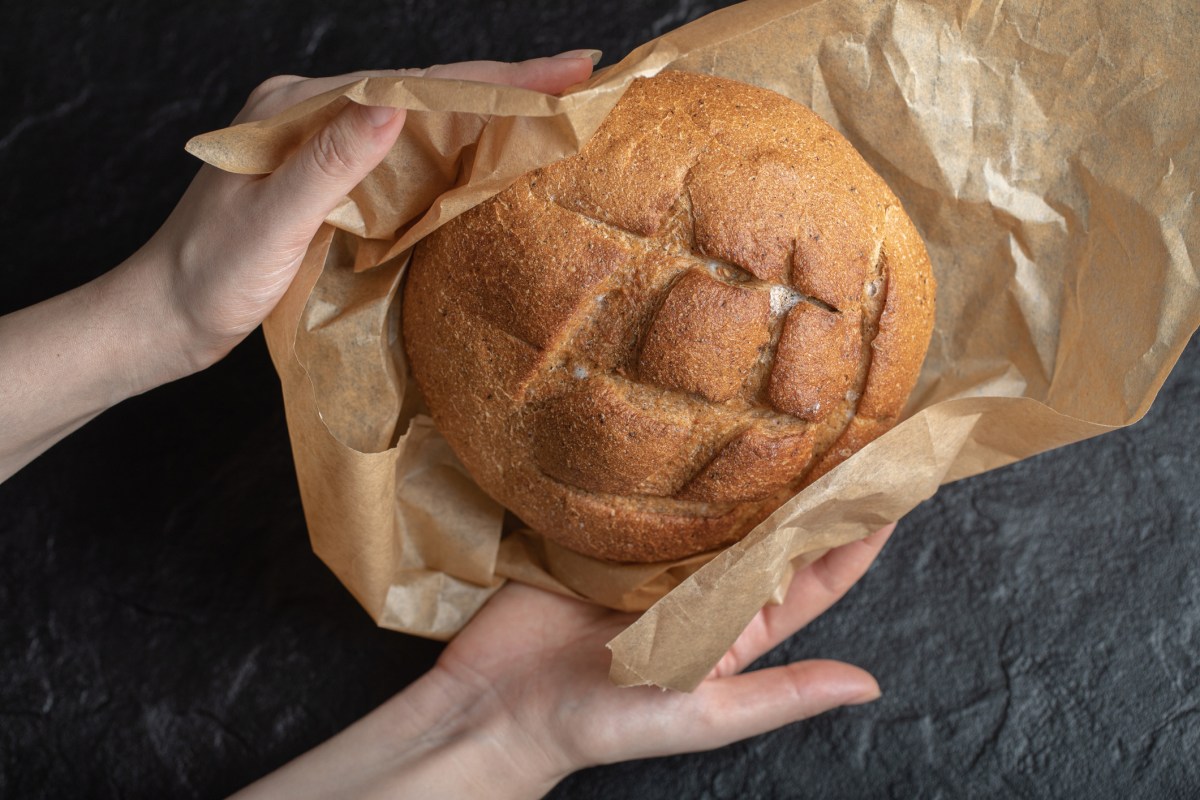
x,y
1049,156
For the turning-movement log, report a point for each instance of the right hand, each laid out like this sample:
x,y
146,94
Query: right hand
x,y
533,666
521,698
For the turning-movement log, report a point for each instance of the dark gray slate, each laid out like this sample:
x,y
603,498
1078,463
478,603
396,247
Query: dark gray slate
x,y
165,630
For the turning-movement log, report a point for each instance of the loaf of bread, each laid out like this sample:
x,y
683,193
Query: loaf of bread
x,y
643,350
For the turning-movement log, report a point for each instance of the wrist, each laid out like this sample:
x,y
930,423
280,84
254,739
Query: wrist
x,y
164,347
472,744
71,357
436,739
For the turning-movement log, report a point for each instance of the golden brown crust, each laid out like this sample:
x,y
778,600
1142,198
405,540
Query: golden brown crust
x,y
858,434
534,305
906,322
817,361
595,437
630,175
626,530
644,349
831,260
756,464
706,337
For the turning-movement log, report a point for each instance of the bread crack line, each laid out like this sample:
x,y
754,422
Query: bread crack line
x,y
721,270
715,426
782,299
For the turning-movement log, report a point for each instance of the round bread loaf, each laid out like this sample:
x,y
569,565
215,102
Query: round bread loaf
x,y
644,349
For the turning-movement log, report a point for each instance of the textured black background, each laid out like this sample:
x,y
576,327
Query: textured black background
x,y
165,630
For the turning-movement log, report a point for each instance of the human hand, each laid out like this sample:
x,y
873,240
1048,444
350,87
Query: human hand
x,y
233,244
212,273
536,662
521,698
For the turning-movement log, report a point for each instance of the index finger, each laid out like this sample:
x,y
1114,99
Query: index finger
x,y
549,75
812,592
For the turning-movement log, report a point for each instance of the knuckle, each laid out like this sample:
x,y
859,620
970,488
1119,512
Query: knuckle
x,y
267,98
827,579
485,71
709,716
272,85
331,151
726,666
795,688
410,72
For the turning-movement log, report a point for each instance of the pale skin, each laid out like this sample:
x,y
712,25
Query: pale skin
x,y
211,274
521,698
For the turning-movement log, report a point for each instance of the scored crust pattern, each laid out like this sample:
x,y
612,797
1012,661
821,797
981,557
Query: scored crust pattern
x,y
644,349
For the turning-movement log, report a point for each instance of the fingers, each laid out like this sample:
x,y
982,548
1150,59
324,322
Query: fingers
x,y
549,75
812,592
730,709
822,583
828,578
313,181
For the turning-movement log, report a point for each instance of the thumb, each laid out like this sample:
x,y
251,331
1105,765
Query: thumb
x,y
316,177
729,709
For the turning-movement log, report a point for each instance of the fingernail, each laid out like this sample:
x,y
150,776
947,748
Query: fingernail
x,y
593,55
868,696
378,116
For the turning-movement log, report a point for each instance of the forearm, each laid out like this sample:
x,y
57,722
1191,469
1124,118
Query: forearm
x,y
429,742
65,360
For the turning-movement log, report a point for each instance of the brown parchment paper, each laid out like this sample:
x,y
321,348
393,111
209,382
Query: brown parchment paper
x,y
1048,153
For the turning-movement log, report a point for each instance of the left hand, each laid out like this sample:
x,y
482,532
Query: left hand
x,y
212,273
234,242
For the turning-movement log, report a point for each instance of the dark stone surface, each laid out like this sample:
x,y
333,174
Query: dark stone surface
x,y
165,630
